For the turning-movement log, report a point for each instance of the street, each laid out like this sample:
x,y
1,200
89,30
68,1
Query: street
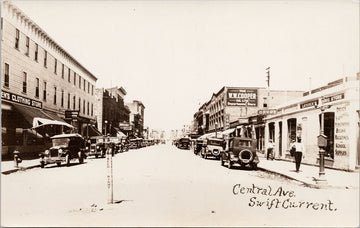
x,y
162,185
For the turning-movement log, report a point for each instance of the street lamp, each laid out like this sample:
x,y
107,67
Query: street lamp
x,y
105,125
322,142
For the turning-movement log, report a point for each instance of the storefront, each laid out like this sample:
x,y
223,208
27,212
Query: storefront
x,y
336,105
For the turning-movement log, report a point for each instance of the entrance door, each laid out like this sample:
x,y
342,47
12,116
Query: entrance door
x,y
329,132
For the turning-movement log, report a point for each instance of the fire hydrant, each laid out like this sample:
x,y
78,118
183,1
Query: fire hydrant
x,y
17,158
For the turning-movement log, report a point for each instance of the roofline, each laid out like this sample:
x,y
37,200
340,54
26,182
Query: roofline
x,y
31,22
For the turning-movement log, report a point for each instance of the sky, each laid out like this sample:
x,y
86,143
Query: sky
x,y
173,55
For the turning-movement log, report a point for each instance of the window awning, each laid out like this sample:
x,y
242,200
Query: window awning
x,y
38,122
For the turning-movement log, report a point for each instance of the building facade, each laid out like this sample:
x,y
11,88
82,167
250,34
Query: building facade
x,y
302,118
137,109
39,79
111,112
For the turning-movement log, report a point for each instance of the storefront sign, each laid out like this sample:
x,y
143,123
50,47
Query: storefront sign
x,y
341,135
71,114
227,121
243,121
309,104
20,99
125,126
242,97
333,98
267,111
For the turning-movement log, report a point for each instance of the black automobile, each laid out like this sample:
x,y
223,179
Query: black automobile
x,y
65,147
198,145
184,143
241,151
212,147
96,147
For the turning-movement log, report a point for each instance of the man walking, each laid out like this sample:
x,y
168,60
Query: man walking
x,y
299,149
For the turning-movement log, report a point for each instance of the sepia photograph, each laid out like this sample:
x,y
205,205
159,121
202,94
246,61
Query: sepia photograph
x,y
180,113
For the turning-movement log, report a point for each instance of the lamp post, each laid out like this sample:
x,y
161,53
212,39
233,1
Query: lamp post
x,y
322,142
105,125
216,129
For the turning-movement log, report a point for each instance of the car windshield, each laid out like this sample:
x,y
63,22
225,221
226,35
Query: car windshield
x,y
242,143
215,142
184,140
61,142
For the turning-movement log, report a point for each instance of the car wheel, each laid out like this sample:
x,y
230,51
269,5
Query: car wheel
x,y
67,160
42,164
58,163
229,164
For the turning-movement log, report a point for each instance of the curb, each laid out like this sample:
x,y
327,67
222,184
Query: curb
x,y
19,169
311,185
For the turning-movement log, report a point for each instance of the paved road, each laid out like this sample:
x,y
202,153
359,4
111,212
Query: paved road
x,y
164,186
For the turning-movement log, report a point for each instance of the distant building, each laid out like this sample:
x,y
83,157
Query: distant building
x,y
137,117
111,112
40,80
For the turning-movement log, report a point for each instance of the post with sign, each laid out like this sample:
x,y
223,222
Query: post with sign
x,y
109,167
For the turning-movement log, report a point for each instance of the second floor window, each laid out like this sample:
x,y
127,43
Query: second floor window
x,y
54,95
62,98
88,108
92,89
84,106
17,39
74,99
74,79
44,92
62,71
88,87
79,82
68,106
24,82
7,77
37,88
55,66
36,52
84,85
45,59
92,109
79,104
69,80
27,46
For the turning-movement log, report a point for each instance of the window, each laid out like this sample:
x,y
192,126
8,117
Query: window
x,y
68,106
69,80
92,89
44,92
88,108
62,71
84,85
37,87
74,79
54,95
329,131
55,66
36,52
79,104
62,98
45,59
27,46
92,109
88,87
24,82
74,101
84,106
79,82
2,24
7,77
17,38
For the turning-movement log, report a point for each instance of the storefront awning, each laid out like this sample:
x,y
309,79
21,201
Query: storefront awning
x,y
38,122
121,135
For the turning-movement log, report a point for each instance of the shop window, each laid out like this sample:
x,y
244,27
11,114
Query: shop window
x,y
291,130
7,75
272,131
37,88
17,38
329,132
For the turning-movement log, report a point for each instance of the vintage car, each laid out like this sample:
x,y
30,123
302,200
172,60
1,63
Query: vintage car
x,y
184,143
240,150
65,147
212,147
96,147
134,144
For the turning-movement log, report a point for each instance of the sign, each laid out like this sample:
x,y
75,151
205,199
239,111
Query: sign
x,y
243,120
20,99
242,97
71,113
267,112
109,177
333,98
309,104
227,121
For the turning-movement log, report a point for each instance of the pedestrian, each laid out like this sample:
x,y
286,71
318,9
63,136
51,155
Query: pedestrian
x,y
299,150
270,150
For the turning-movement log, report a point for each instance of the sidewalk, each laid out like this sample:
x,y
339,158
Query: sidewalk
x,y
8,167
308,173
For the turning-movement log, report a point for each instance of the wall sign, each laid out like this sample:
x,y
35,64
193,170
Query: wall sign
x,y
309,104
20,99
333,98
242,97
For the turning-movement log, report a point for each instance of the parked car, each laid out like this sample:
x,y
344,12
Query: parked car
x,y
198,145
65,147
240,150
97,147
184,143
212,147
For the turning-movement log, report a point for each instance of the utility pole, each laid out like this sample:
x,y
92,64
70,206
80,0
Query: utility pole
x,y
268,77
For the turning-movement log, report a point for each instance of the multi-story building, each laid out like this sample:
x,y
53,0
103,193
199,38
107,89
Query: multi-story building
x,y
137,117
110,111
39,79
337,106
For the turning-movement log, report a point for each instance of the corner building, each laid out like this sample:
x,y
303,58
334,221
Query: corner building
x,y
39,79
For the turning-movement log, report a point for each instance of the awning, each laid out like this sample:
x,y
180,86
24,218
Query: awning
x,y
121,135
38,122
228,131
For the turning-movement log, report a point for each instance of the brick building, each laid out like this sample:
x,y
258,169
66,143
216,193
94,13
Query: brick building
x,y
137,118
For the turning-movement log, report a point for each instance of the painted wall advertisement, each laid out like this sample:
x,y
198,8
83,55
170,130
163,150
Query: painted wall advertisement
x,y
341,134
242,97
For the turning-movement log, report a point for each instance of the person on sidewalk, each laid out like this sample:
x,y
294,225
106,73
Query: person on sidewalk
x,y
270,150
299,149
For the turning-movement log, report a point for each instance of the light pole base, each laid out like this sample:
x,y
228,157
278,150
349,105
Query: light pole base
x,y
321,180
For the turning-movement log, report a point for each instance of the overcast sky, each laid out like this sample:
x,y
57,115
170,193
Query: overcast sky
x,y
172,55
